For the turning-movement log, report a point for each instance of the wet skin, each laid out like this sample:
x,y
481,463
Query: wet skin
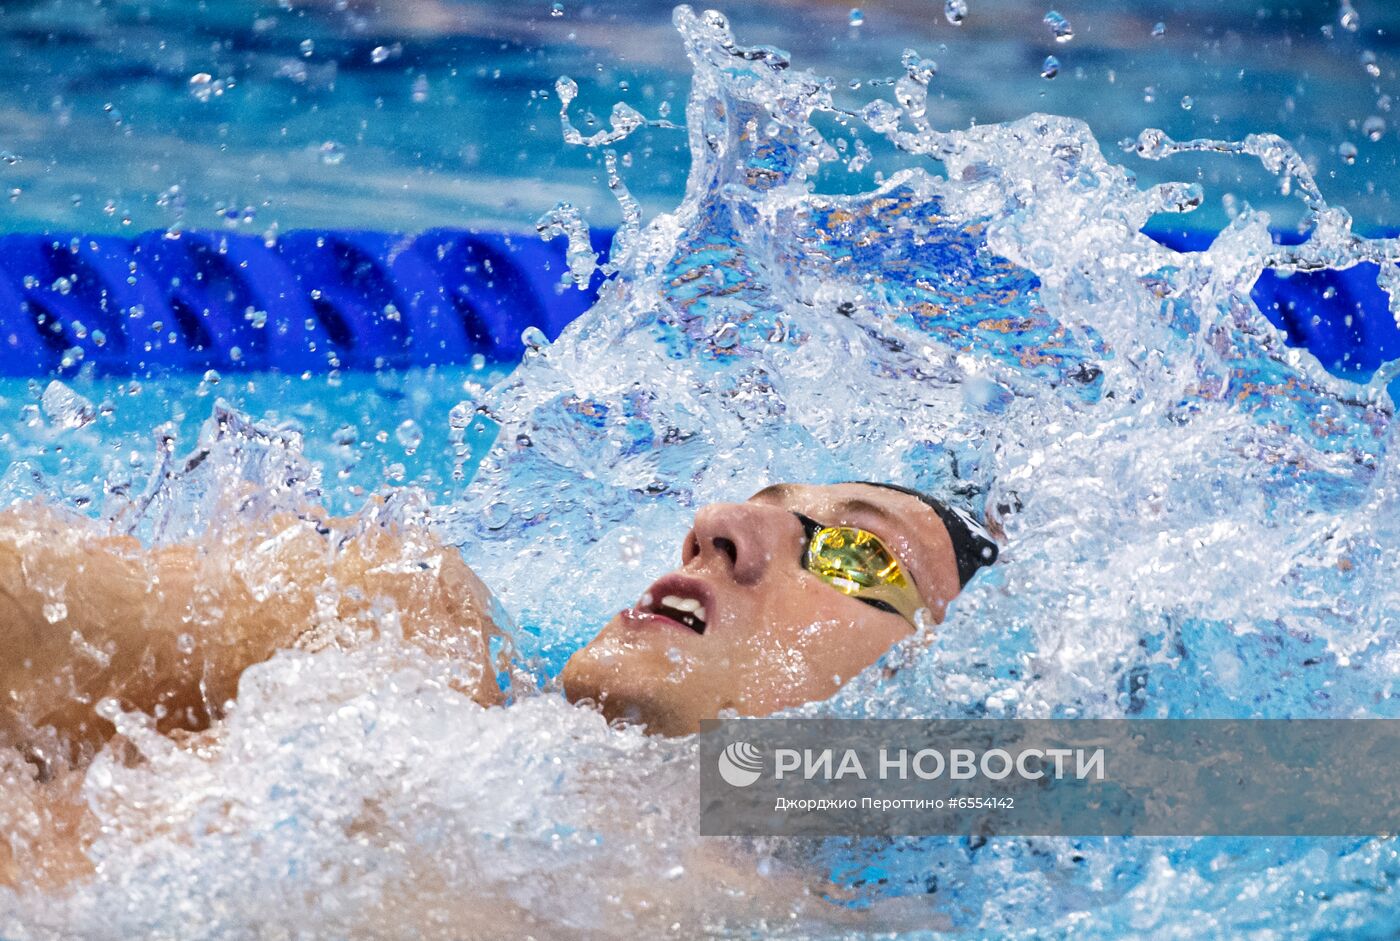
x,y
774,635
168,631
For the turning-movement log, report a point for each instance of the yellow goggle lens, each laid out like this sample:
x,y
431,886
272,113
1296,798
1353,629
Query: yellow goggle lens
x,y
855,562
852,559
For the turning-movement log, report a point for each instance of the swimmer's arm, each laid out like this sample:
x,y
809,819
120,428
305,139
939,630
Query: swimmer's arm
x,y
86,615
83,614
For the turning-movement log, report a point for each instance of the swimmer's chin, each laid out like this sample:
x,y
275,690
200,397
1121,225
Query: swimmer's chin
x,y
621,685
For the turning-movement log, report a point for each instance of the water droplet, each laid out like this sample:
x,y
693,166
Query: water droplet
x,y
204,86
409,435
1050,68
1060,27
185,644
955,11
379,54
307,47
55,611
62,285
566,88
857,19
727,337
1187,102
458,419
420,89
345,436
109,709
332,154
66,408
1374,127
1159,30
1347,16
881,116
631,550
1348,152
1369,63
1181,197
920,69
496,514
557,10
534,339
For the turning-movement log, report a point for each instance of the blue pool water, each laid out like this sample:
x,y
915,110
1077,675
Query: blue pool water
x,y
1207,520
298,125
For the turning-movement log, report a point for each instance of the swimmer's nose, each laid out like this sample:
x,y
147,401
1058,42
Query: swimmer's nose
x,y
739,536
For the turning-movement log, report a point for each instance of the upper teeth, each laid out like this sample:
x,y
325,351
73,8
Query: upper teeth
x,y
684,604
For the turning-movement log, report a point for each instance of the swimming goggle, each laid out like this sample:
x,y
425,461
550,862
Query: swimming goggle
x,y
856,563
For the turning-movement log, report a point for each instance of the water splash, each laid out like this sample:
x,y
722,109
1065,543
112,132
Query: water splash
x,y
66,408
1331,243
1200,521
1187,500
564,219
624,121
238,469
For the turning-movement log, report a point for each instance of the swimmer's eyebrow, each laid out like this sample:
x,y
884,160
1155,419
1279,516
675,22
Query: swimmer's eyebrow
x,y
774,491
852,504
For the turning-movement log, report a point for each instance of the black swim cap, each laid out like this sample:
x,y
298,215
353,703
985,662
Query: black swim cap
x,y
973,546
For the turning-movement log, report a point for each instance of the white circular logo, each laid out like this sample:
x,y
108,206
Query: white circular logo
x,y
740,764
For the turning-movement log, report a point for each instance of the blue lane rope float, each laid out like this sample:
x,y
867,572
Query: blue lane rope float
x,y
1342,317
311,301
320,300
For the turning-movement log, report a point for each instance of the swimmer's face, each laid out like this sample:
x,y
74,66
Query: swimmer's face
x,y
773,635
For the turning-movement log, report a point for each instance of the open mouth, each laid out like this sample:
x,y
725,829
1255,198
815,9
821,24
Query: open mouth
x,y
681,608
